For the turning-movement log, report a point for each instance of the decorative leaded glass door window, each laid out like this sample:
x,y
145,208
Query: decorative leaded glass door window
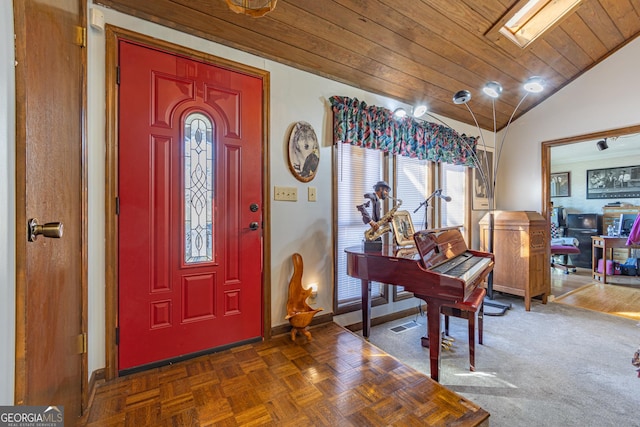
x,y
198,188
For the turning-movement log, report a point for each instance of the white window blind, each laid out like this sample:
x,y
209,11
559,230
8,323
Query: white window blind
x,y
413,187
454,186
358,171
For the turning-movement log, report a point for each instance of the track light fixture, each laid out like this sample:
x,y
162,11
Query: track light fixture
x,y
461,97
419,110
534,84
602,144
492,89
399,113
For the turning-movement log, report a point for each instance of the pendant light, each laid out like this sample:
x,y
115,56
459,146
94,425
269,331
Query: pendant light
x,y
253,8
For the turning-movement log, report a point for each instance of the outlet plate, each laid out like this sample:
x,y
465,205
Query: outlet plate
x,y
312,194
287,194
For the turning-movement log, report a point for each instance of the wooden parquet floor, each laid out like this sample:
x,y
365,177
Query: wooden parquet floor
x,y
337,379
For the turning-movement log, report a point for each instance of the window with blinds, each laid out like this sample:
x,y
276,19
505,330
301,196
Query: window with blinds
x,y
412,187
358,169
454,185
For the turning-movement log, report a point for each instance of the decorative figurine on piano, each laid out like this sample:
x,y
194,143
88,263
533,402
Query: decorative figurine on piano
x,y
379,225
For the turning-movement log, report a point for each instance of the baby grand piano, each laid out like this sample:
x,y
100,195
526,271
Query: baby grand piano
x,y
439,270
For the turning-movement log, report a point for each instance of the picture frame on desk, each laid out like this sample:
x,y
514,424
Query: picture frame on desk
x,y
621,182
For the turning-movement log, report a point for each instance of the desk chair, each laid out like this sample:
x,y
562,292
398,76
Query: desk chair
x,y
565,251
564,247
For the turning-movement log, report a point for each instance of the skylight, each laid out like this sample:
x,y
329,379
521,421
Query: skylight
x,y
529,19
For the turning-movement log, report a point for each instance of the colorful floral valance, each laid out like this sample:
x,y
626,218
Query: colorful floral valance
x,y
356,123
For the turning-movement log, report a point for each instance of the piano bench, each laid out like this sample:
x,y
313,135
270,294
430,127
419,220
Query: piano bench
x,y
467,310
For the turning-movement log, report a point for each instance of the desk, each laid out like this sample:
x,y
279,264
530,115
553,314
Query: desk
x,y
607,244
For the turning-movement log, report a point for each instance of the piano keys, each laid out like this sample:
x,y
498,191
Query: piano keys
x,y
417,271
444,251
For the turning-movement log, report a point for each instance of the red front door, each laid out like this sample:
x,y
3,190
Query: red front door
x,y
190,206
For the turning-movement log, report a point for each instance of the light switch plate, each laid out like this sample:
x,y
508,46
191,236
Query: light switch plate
x,y
288,194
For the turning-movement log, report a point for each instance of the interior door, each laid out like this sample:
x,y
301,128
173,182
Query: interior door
x,y
50,78
190,207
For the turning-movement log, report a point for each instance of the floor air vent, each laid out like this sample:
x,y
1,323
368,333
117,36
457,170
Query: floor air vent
x,y
404,327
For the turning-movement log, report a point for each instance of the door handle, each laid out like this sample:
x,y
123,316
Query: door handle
x,y
50,229
254,226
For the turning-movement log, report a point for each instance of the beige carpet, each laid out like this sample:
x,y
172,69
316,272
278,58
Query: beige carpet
x,y
623,301
555,365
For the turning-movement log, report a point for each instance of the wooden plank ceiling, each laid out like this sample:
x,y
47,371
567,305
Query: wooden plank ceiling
x,y
416,51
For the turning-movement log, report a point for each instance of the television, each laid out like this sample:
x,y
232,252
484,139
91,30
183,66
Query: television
x,y
626,222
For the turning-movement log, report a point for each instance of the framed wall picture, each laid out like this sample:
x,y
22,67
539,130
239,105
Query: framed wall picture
x,y
403,228
304,152
560,184
613,183
480,190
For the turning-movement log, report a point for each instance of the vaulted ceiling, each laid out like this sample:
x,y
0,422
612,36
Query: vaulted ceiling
x,y
414,51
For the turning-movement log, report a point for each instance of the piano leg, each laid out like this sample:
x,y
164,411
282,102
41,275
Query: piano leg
x,y
433,323
366,307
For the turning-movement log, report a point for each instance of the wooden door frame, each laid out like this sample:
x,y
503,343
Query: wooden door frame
x,y
546,168
22,88
113,36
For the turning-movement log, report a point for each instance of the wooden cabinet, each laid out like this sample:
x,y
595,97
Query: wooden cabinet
x,y
521,253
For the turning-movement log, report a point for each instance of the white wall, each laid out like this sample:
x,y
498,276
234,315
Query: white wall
x,y
7,204
603,98
577,201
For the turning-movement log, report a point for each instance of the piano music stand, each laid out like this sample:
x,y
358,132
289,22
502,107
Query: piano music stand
x,y
488,302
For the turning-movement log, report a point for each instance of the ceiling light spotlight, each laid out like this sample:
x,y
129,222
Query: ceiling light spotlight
x,y
602,144
399,113
534,84
492,89
419,110
461,97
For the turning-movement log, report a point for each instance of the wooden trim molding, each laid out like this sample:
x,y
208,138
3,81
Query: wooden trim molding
x,y
97,378
285,328
387,318
546,156
546,169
